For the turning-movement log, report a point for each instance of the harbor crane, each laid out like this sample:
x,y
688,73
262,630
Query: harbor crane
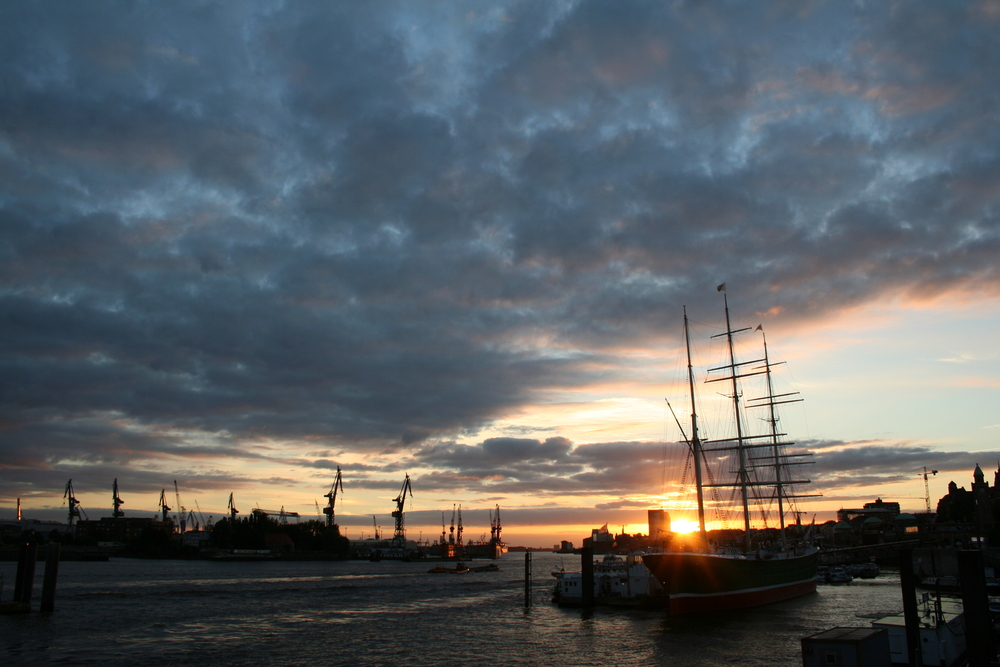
x,y
181,516
201,517
164,510
116,502
444,539
180,509
332,495
281,514
451,528
232,509
399,535
496,528
74,504
458,537
927,488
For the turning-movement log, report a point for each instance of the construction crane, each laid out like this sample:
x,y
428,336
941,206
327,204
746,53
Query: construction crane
x,y
332,495
201,517
117,501
399,535
495,527
164,510
74,504
927,488
281,514
458,536
180,509
232,509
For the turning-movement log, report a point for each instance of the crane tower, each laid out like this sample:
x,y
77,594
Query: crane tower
x,y
164,510
74,504
117,501
332,495
927,488
399,535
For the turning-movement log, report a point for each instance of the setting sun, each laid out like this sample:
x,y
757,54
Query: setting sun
x,y
683,526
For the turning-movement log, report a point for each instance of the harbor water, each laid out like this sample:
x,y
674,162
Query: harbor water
x,y
155,612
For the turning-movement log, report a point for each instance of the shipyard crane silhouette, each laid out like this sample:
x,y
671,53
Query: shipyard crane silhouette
x,y
458,537
927,488
201,517
181,519
399,535
451,528
164,510
332,495
281,514
496,528
74,504
232,509
116,502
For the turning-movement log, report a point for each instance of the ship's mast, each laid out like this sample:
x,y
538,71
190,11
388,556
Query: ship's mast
x,y
774,440
740,445
695,439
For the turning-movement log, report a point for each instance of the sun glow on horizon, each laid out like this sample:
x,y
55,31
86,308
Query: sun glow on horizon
x,y
683,526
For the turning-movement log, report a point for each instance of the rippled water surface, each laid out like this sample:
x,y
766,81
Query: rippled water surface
x,y
390,613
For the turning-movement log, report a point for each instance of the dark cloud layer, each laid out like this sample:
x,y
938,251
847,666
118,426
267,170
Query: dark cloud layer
x,y
354,228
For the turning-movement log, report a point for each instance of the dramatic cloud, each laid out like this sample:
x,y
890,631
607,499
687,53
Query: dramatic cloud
x,y
260,238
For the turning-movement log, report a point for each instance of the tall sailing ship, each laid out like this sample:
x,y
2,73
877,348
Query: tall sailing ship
x,y
710,579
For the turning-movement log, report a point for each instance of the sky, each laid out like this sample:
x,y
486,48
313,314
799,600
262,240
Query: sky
x,y
243,244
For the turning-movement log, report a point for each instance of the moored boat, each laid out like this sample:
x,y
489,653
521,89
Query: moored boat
x,y
460,568
623,582
703,579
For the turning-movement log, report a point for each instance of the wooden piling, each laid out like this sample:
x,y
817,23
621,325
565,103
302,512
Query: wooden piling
x,y
527,579
49,580
907,582
24,580
980,638
587,570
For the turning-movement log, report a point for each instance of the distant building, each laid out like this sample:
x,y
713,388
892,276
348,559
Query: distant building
x,y
977,507
11,529
121,529
879,509
600,540
659,524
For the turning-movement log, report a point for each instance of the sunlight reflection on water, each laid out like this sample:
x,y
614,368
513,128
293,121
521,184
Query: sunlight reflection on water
x,y
360,613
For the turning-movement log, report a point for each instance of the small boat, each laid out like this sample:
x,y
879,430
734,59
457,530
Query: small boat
x,y
839,575
492,567
863,570
460,568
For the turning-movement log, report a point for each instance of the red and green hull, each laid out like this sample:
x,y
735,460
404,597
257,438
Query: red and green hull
x,y
709,582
